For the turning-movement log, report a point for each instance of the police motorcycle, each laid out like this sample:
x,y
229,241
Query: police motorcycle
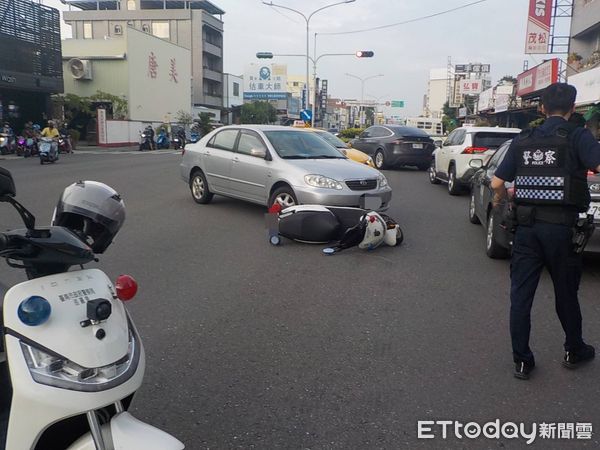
x,y
345,227
48,150
71,358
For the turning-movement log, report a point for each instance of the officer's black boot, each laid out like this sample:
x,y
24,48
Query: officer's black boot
x,y
574,359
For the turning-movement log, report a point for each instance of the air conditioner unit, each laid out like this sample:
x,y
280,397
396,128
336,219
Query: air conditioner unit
x,y
81,69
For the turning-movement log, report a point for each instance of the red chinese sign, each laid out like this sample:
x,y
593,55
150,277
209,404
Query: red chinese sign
x,y
537,78
538,26
152,65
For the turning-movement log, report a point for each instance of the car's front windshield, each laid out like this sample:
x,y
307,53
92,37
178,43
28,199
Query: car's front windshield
x,y
296,144
333,140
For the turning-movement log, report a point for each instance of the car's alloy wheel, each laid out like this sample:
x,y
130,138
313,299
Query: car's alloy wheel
x,y
472,214
284,196
433,179
285,200
453,188
199,188
493,249
379,159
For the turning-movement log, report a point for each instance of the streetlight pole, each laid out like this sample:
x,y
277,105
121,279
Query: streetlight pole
x,y
307,20
362,86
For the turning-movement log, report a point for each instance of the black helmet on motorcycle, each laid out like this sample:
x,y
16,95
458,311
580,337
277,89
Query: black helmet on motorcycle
x,y
93,210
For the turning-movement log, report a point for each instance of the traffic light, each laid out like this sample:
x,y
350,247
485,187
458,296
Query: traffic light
x,y
365,54
264,55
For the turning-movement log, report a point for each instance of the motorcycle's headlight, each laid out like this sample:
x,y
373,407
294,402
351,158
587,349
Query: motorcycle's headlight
x,y
322,182
55,370
383,182
2,140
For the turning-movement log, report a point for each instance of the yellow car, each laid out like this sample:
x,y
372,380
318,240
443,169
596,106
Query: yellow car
x,y
349,152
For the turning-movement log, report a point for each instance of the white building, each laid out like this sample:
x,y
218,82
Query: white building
x,y
437,93
194,24
152,74
233,95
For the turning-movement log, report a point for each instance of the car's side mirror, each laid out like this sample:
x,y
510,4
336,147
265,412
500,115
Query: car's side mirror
x,y
476,163
258,153
7,184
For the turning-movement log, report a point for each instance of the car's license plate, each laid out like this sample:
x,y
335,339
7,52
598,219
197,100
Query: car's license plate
x,y
417,145
594,210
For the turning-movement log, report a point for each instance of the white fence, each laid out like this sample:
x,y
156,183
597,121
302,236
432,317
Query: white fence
x,y
121,133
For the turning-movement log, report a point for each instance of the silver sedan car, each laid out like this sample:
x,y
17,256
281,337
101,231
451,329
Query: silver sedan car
x,y
267,164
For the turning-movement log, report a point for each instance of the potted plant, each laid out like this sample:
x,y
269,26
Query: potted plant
x,y
574,60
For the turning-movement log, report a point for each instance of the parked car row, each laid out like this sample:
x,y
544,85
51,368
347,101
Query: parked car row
x,y
473,167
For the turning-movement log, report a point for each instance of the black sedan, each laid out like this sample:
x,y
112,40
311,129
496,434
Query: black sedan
x,y
394,145
498,237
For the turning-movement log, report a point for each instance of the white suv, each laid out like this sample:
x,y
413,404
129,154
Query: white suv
x,y
450,162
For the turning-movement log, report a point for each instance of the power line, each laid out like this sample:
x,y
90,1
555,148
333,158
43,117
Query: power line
x,y
417,19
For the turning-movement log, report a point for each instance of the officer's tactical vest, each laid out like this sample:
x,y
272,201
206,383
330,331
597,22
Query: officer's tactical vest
x,y
549,172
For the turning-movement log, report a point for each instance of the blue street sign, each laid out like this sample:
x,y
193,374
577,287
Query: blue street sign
x,y
306,115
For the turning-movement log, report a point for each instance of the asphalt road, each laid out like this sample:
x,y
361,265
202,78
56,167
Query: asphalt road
x,y
254,346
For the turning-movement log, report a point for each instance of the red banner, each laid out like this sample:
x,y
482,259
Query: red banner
x,y
538,26
537,78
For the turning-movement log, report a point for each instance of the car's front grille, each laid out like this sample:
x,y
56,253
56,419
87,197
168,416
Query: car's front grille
x,y
362,185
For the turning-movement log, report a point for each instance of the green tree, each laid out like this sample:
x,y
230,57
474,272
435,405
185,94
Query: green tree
x,y
204,123
184,118
258,113
449,121
508,79
120,109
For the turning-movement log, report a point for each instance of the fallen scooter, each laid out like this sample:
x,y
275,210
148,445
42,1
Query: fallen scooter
x,y
71,358
345,227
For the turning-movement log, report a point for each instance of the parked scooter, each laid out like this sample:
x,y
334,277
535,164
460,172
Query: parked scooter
x,y
64,144
194,136
162,140
179,139
71,358
48,150
7,143
21,145
146,142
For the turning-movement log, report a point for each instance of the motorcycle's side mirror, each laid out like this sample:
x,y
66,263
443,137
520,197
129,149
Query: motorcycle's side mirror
x,y
7,184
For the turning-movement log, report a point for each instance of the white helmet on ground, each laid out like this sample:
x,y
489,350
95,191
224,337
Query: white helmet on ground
x,y
374,231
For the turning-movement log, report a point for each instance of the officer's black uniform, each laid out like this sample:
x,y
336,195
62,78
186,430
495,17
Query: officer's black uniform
x,y
549,166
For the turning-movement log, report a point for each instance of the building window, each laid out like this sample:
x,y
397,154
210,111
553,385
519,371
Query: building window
x,y
118,29
131,5
87,30
236,89
295,83
161,30
145,28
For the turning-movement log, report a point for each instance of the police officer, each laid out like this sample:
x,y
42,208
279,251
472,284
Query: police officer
x,y
549,167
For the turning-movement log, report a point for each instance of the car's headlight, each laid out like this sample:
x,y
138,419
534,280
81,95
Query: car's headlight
x,y
383,182
322,182
57,371
369,161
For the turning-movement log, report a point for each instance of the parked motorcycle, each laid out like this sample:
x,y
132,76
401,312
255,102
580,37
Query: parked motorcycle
x,y
7,143
179,139
64,144
71,358
21,145
48,150
146,141
194,136
162,140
